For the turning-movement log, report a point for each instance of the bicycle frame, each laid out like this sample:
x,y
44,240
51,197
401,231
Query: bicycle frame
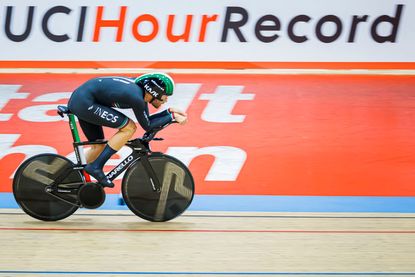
x,y
141,150
46,183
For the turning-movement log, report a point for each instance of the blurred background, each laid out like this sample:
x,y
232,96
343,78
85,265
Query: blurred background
x,y
293,106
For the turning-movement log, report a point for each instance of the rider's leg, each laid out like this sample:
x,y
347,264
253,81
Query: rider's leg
x,y
114,144
94,152
93,133
92,117
120,138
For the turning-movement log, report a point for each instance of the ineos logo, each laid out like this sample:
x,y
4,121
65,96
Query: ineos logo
x,y
106,115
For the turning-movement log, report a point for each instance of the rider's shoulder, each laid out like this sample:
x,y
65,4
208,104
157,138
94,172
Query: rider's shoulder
x,y
113,79
121,80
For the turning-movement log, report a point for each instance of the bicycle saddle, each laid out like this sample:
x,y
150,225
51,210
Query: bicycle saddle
x,y
63,110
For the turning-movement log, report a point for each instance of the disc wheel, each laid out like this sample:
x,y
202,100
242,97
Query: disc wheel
x,y
177,189
29,187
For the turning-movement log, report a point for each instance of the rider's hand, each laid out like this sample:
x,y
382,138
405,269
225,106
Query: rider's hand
x,y
181,119
177,111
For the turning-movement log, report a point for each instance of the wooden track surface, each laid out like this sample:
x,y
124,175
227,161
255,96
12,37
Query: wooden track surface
x,y
117,243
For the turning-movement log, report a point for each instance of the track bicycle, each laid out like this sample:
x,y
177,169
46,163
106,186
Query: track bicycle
x,y
156,187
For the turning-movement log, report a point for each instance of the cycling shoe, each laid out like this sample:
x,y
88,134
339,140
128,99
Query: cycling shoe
x,y
99,175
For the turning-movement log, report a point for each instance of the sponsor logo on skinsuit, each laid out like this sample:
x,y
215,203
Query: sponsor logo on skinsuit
x,y
106,115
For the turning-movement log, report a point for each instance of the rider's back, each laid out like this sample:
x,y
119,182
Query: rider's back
x,y
117,92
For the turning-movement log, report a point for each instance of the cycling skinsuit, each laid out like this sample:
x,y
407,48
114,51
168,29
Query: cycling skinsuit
x,y
93,104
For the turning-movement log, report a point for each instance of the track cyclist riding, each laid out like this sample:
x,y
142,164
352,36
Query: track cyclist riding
x,y
94,102
155,186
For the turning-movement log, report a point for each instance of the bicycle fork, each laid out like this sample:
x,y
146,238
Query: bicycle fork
x,y
155,183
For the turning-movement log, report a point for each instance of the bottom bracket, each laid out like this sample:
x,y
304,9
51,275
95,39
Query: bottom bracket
x,y
91,196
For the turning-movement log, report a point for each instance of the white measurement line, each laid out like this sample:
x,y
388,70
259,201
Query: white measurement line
x,y
406,72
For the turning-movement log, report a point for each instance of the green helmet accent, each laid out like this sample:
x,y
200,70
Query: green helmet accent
x,y
157,84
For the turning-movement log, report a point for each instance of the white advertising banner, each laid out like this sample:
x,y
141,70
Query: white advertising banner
x,y
226,30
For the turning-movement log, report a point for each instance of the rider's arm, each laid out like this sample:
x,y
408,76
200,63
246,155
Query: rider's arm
x,y
127,95
161,114
148,122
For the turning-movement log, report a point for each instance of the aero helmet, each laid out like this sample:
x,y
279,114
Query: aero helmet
x,y
157,84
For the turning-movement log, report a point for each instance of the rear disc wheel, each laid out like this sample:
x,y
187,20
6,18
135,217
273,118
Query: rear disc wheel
x,y
31,180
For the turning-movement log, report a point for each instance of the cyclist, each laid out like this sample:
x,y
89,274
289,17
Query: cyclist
x,y
94,101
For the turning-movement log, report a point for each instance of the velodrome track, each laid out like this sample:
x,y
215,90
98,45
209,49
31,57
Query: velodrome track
x,y
107,243
334,198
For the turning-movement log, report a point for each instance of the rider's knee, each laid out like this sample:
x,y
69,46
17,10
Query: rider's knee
x,y
130,128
